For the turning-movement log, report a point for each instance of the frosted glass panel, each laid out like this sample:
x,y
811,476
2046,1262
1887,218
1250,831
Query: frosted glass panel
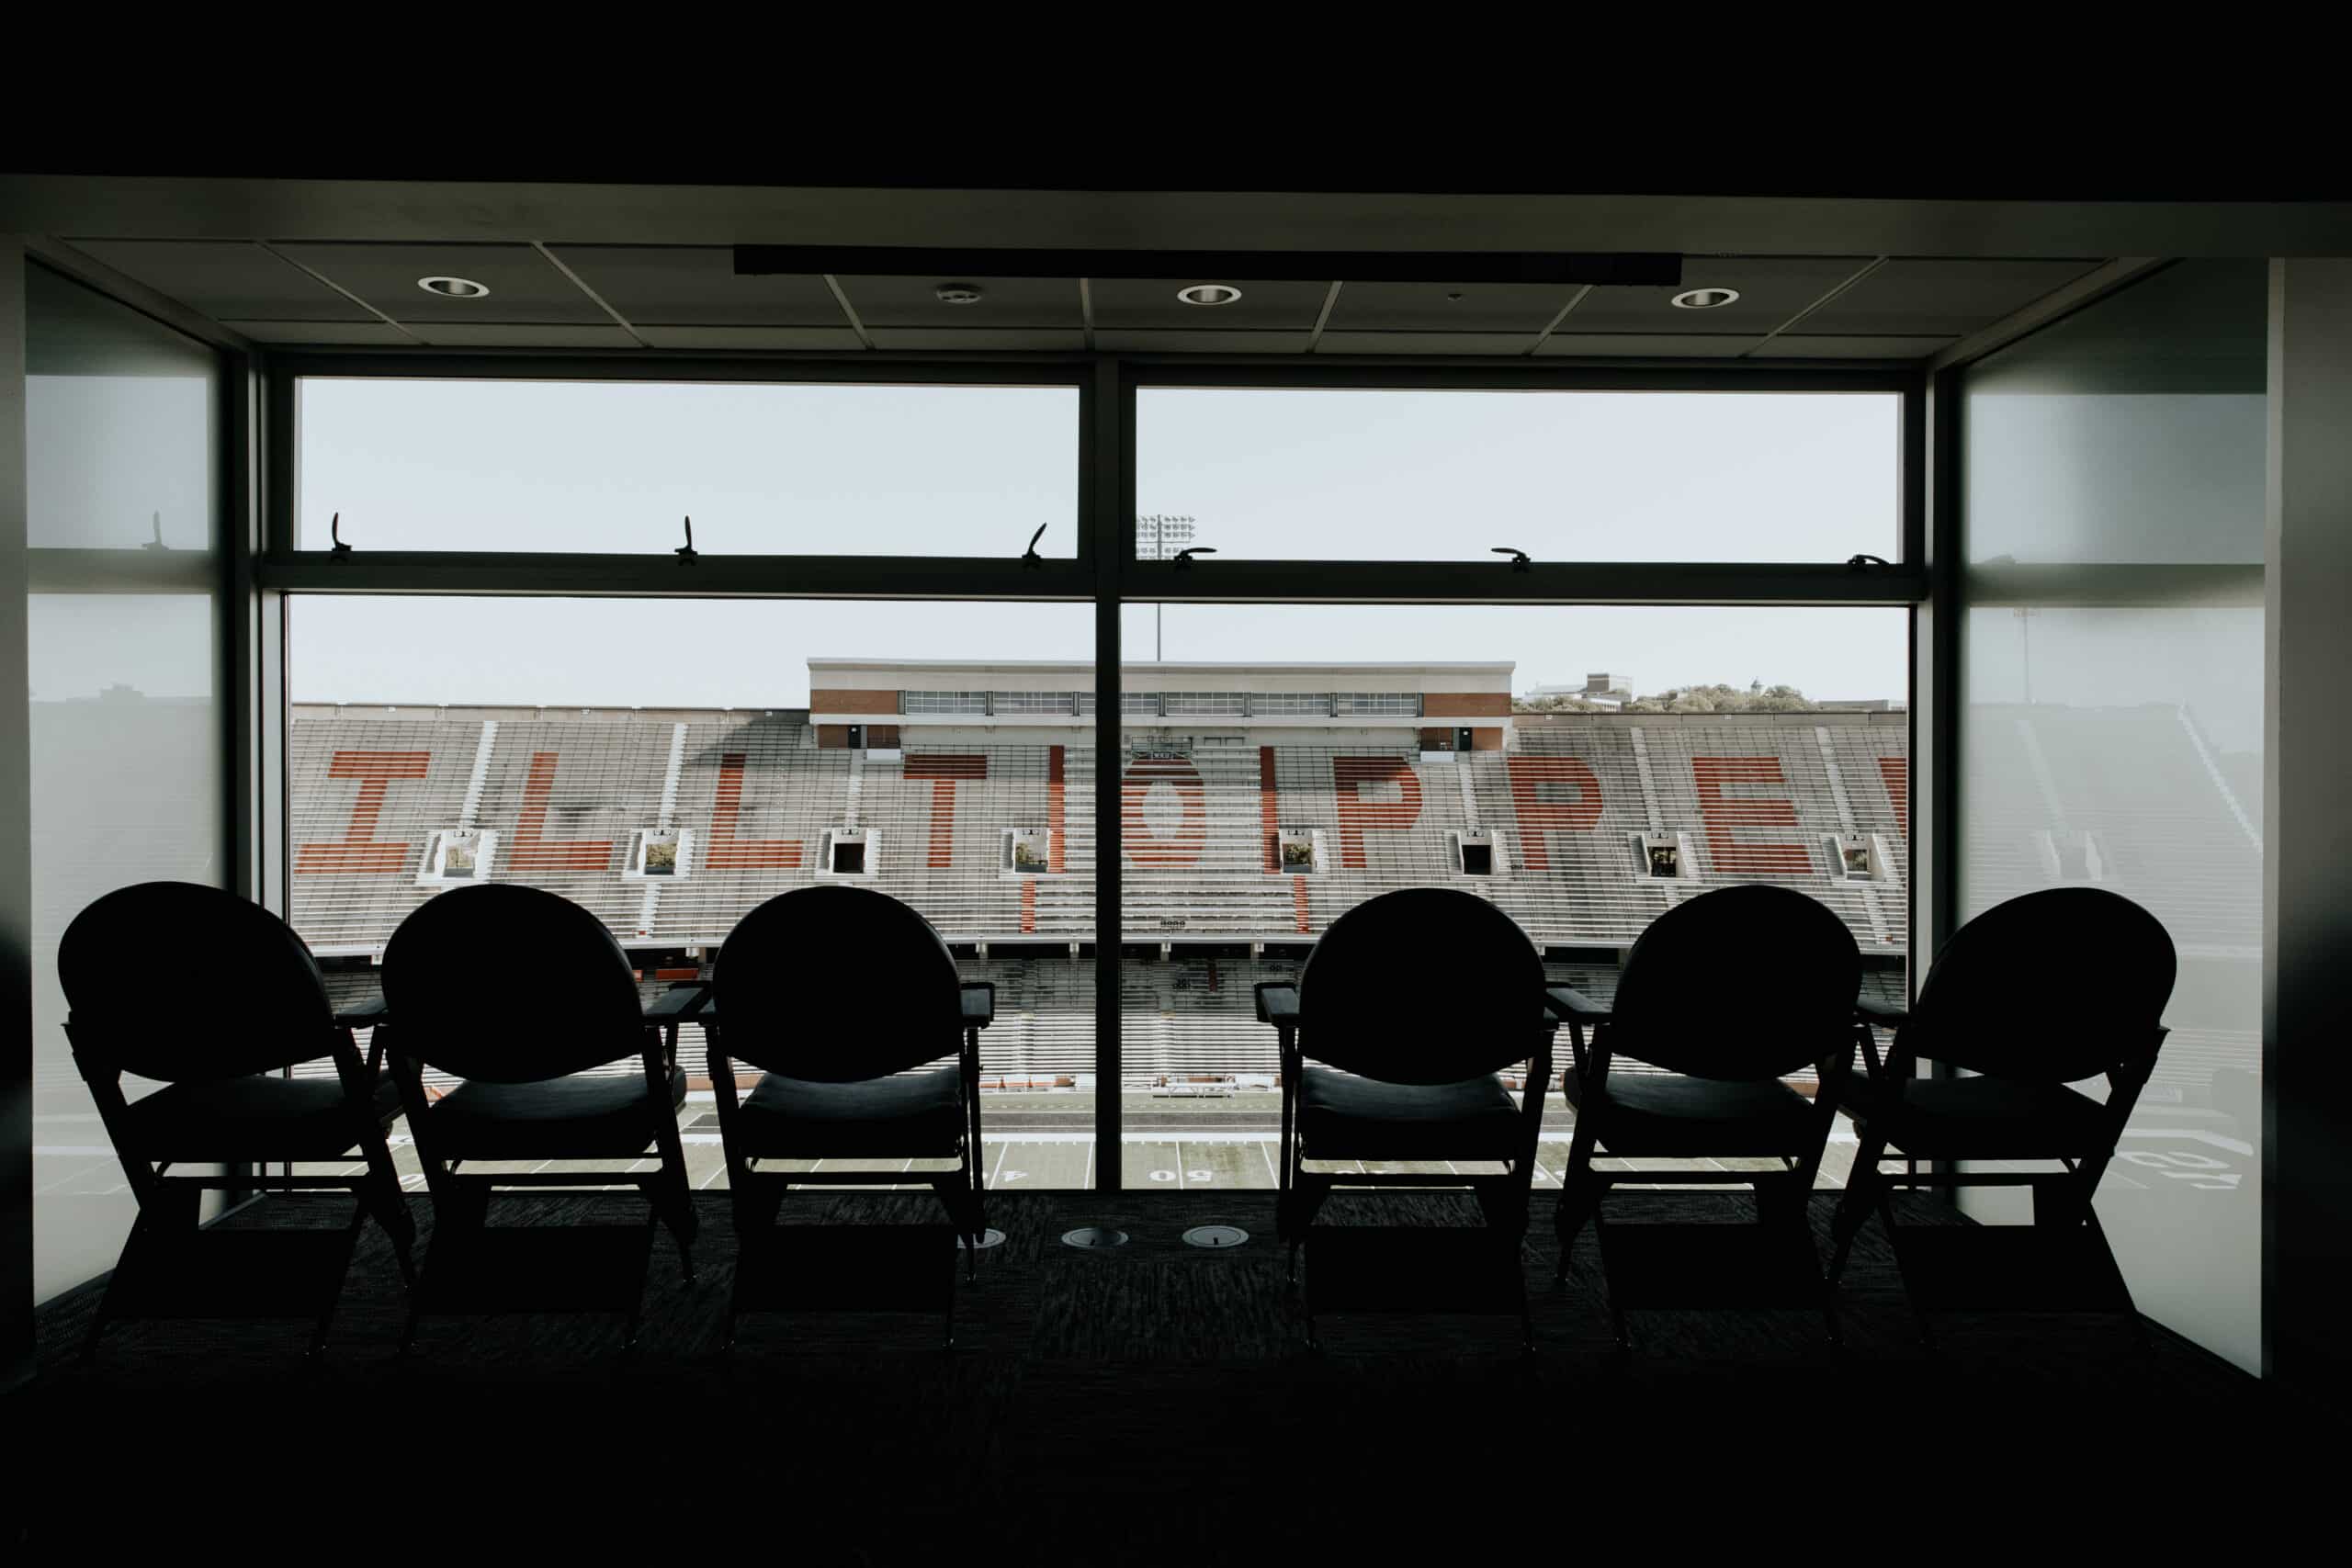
x,y
2112,728
124,645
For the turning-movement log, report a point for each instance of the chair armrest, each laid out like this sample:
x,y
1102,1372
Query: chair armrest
x,y
1277,1003
361,1015
979,1003
1881,1015
1566,1001
676,1005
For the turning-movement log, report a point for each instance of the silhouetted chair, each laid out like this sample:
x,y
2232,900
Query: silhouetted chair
x,y
843,996
1729,993
519,993
215,998
1411,1006
2035,995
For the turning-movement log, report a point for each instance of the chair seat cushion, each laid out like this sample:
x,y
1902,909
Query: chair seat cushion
x,y
904,1116
1981,1118
578,1117
1669,1115
263,1117
1341,1116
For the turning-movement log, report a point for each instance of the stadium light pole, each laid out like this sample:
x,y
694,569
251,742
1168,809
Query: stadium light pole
x,y
1157,537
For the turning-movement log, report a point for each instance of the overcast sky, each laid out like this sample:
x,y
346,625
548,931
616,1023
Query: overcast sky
x,y
1386,475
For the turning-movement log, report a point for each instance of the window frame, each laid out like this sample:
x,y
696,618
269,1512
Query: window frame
x,y
1104,572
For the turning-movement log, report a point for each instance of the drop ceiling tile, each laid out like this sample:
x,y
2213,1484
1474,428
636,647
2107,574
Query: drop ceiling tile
x,y
1649,346
995,339
696,286
524,285
1003,303
1771,289
227,280
1447,307
1794,345
369,334
1201,342
825,338
1926,297
1488,343
1127,304
521,334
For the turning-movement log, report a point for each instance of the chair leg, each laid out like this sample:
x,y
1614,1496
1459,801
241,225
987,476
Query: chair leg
x,y
1609,1290
1579,1202
1855,1203
674,1203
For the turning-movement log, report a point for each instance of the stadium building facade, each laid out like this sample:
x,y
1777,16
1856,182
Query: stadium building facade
x,y
1259,802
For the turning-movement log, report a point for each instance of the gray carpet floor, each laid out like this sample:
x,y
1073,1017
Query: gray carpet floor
x,y
1152,1402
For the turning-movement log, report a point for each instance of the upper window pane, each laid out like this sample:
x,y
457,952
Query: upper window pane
x,y
1385,474
762,468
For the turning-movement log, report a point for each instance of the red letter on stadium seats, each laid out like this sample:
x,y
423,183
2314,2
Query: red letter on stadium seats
x,y
358,850
943,770
1726,814
1896,773
1358,816
727,852
533,849
1146,848
1056,813
1269,816
1530,776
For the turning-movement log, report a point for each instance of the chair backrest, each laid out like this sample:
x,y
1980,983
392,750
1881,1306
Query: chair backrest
x,y
180,983
1741,982
836,985
1423,986
509,985
2052,986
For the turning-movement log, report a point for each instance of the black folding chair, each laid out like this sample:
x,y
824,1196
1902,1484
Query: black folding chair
x,y
1729,993
518,993
216,998
1997,1007
842,996
1411,1004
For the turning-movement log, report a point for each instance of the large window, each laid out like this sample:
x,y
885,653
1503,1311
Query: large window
x,y
613,467
122,421
670,761
1388,474
2112,726
1754,745
670,765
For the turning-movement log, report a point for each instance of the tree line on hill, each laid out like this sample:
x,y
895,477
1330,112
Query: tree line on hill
x,y
1754,697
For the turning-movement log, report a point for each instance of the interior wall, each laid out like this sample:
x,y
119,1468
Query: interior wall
x,y
126,728
2308,1248
2111,728
16,836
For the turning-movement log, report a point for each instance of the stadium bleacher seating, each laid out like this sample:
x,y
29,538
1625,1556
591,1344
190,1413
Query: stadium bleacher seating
x,y
1211,908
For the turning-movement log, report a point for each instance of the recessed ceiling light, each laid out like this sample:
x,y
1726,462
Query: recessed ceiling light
x,y
958,293
453,287
1705,299
1209,294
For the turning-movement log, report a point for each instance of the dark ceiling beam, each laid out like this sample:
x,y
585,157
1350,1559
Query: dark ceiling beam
x,y
1277,266
559,213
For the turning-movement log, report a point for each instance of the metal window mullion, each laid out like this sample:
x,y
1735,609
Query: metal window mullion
x,y
1107,505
